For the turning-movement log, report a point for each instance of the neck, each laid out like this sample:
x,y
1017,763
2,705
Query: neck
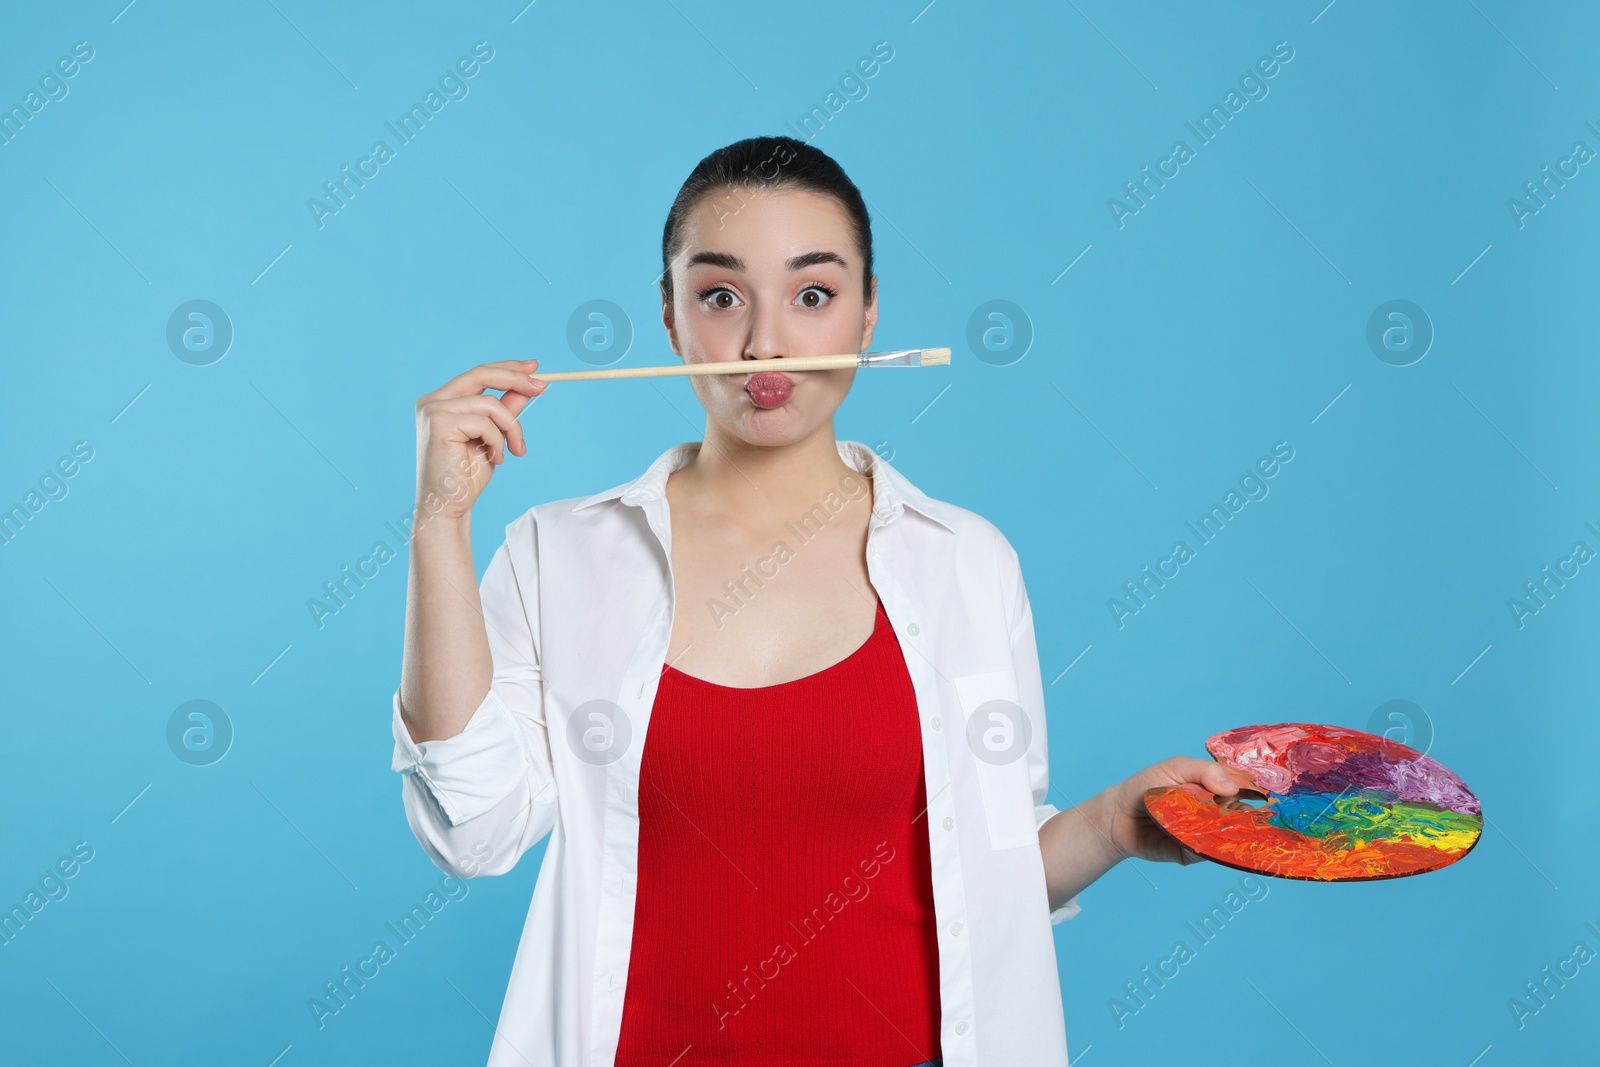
x,y
730,474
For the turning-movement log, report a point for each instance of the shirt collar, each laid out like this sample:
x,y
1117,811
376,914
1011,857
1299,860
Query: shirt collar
x,y
892,492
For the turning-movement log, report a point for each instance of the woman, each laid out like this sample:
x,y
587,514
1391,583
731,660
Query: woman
x,y
779,711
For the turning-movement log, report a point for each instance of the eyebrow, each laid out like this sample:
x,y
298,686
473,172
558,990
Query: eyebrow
x,y
728,261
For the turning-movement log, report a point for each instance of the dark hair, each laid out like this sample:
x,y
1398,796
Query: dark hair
x,y
768,163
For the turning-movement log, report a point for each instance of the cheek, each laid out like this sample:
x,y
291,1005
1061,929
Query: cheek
x,y
721,395
705,337
844,333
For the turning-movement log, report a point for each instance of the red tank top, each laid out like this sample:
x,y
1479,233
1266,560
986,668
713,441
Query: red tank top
x,y
785,901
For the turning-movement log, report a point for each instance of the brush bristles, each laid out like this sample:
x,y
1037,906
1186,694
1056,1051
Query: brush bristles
x,y
935,357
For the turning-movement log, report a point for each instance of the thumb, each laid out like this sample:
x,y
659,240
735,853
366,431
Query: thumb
x,y
1221,781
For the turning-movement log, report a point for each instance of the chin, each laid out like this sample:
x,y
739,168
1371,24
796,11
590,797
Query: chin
x,y
772,432
771,427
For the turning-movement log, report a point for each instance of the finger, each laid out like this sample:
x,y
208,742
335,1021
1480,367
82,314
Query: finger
x,y
1209,774
1186,857
491,408
511,374
520,390
1183,770
473,380
483,428
515,402
1215,777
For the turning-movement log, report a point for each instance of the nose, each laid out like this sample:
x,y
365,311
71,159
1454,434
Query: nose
x,y
767,339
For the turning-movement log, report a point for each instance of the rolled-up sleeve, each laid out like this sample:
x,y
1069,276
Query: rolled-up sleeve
x,y
480,799
1030,690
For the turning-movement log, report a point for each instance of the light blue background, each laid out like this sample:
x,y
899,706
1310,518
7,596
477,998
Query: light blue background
x,y
1223,317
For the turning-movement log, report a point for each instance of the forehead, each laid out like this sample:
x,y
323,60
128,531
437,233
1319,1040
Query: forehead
x,y
763,225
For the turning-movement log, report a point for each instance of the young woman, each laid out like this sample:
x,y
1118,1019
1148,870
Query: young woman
x,y
779,712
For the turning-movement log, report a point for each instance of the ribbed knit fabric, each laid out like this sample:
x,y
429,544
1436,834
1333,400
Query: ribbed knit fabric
x,y
785,902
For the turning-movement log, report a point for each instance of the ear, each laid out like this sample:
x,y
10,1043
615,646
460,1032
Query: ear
x,y
670,322
871,319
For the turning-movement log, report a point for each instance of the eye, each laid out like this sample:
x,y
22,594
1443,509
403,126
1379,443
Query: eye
x,y
815,296
722,298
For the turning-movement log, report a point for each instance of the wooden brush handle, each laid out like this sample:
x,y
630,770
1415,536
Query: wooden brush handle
x,y
738,366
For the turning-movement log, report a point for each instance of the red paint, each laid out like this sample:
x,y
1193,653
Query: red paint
x,y
1342,805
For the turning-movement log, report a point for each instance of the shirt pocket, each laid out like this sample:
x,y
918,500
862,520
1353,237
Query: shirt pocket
x,y
999,734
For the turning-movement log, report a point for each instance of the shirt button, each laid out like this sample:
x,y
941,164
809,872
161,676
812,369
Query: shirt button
x,y
961,1027
949,823
913,629
936,722
955,928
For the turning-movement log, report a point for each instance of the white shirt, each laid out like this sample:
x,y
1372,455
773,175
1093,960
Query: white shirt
x,y
579,604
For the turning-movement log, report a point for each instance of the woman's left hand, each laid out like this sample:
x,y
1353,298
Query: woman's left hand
x,y
1128,824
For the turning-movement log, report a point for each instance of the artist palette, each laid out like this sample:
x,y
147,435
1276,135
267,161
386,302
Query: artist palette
x,y
1340,805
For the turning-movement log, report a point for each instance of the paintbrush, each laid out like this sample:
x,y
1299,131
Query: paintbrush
x,y
905,357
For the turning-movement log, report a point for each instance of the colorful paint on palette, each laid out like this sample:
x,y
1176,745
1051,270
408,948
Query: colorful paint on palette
x,y
1341,805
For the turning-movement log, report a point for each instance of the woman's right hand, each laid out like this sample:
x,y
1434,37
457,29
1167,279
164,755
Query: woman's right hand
x,y
462,435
